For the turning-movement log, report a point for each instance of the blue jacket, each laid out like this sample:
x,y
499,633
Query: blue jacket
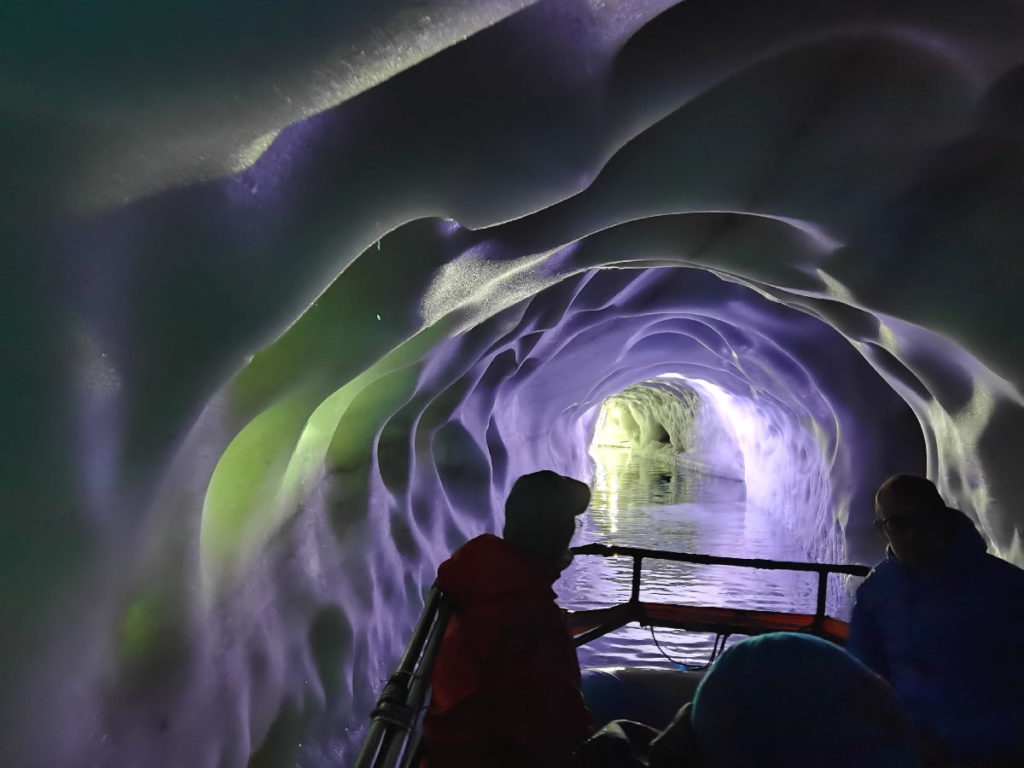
x,y
951,643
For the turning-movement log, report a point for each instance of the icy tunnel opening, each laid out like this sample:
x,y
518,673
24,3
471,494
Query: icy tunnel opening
x,y
672,457
691,419
772,446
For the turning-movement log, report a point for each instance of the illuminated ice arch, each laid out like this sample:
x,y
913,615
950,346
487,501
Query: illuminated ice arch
x,y
362,434
348,497
427,441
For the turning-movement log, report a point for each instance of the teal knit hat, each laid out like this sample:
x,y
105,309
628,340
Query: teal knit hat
x,y
795,700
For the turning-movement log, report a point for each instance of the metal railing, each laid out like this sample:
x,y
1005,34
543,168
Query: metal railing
x,y
393,736
638,555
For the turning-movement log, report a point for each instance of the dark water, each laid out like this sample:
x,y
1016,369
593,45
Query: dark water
x,y
661,503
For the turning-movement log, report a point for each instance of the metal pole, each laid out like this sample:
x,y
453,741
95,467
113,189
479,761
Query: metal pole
x,y
819,611
606,550
390,705
420,632
371,744
421,681
634,596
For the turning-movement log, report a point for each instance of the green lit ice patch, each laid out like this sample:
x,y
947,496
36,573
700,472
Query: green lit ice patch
x,y
269,469
140,630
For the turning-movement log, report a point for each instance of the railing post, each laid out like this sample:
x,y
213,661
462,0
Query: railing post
x,y
819,610
634,595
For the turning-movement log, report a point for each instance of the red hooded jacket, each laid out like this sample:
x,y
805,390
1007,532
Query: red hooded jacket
x,y
506,684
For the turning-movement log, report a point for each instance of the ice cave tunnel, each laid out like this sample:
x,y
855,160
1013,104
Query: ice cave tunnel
x,y
292,293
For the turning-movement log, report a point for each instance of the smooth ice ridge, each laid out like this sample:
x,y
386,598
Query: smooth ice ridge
x,y
293,296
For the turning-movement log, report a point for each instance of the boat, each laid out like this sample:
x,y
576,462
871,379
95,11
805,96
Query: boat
x,y
641,693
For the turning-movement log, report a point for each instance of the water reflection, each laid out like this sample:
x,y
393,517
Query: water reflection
x,y
626,479
660,502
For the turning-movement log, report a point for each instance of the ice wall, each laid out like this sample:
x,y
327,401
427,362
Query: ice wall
x,y
292,294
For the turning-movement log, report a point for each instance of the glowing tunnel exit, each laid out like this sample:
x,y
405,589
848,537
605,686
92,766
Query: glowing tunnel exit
x,y
667,431
675,418
654,442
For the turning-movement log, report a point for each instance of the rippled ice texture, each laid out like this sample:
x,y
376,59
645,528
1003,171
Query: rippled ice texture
x,y
662,502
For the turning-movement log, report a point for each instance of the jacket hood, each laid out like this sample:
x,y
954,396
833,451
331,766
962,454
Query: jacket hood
x,y
966,542
489,565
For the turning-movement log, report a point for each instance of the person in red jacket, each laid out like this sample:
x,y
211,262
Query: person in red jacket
x,y
506,684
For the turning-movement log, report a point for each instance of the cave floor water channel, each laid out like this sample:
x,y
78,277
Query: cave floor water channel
x,y
662,502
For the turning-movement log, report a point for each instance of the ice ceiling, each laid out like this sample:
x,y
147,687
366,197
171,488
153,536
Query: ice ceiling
x,y
293,292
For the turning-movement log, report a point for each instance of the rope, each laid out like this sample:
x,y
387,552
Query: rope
x,y
689,665
686,664
716,649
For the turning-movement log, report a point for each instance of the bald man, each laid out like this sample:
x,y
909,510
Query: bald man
x,y
943,621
